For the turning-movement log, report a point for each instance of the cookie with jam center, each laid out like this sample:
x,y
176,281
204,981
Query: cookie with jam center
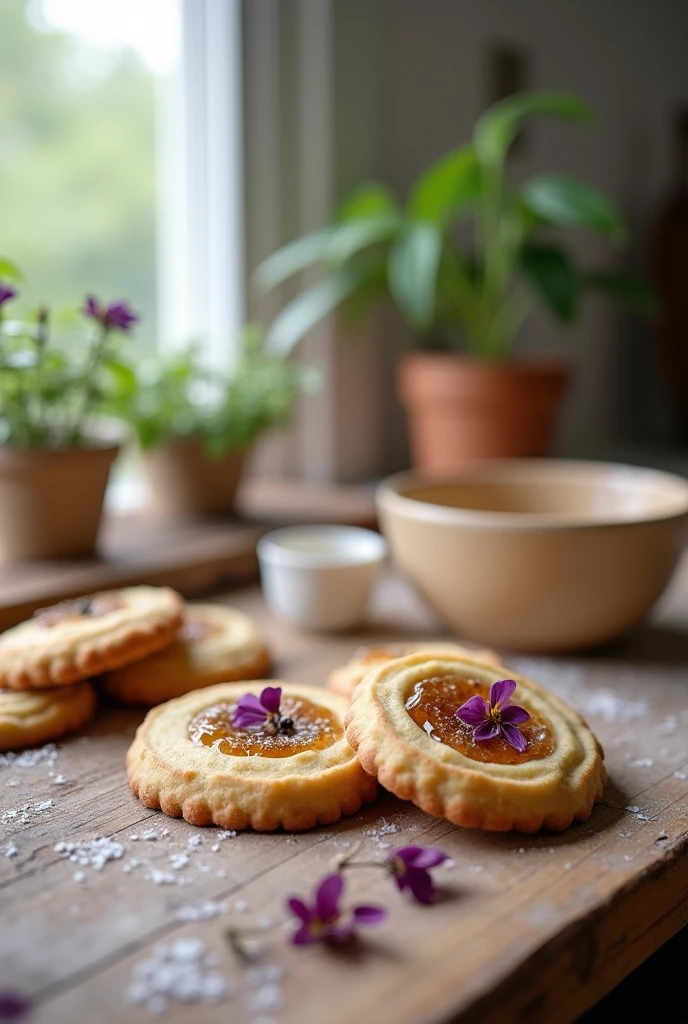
x,y
476,769
215,644
29,718
292,768
346,678
79,638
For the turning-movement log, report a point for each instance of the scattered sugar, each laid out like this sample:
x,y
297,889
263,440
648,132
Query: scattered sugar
x,y
179,860
568,865
642,762
627,856
611,707
632,808
181,972
151,835
240,906
24,815
30,758
79,876
202,911
59,780
215,848
11,850
521,849
159,877
193,842
669,727
269,997
224,833
642,817
476,868
134,837
12,782
92,853
680,775
662,835
164,832
449,863
380,829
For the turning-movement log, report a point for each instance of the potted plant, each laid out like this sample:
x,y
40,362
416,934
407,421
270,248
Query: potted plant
x,y
196,424
54,459
465,260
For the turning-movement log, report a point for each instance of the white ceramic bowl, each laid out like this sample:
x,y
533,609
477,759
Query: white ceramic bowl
x,y
538,554
320,576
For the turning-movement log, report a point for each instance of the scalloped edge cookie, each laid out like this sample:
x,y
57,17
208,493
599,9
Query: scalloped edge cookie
x,y
33,656
346,678
166,770
234,650
29,718
551,792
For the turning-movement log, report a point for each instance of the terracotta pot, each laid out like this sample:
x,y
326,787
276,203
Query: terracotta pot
x,y
462,411
186,483
51,501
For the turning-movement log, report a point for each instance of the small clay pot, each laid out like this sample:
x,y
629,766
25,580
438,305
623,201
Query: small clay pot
x,y
186,483
463,411
51,500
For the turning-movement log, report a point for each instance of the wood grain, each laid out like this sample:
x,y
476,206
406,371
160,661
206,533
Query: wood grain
x,y
527,928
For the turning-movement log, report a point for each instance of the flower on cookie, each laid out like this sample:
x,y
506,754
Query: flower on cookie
x,y
251,712
496,716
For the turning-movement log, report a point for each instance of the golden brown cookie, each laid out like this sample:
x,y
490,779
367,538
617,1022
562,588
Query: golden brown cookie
x,y
346,678
517,757
259,755
216,644
29,718
77,639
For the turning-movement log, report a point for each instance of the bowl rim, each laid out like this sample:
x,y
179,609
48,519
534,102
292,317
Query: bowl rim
x,y
390,496
270,549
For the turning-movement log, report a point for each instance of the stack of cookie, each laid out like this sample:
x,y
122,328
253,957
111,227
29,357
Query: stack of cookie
x,y
144,645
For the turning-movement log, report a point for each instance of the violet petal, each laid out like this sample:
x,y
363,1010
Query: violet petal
x,y
501,691
248,712
423,857
365,914
303,936
299,909
6,293
512,735
327,896
270,699
486,731
339,931
13,1005
514,714
474,711
421,885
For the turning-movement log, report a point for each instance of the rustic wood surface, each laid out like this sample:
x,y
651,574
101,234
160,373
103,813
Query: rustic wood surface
x,y
193,556
527,928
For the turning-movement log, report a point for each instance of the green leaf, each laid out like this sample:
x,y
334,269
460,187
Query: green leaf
x,y
497,128
554,279
370,290
123,377
292,259
628,291
373,199
446,187
568,202
413,268
9,271
350,239
303,313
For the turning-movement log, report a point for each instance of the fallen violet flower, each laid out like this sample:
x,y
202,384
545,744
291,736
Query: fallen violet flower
x,y
251,712
117,315
13,1005
324,921
6,293
409,866
496,717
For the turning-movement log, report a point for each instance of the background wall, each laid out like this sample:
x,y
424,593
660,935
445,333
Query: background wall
x,y
407,80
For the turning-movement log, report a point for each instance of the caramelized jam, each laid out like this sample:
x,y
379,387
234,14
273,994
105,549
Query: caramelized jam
x,y
312,728
81,607
198,629
433,706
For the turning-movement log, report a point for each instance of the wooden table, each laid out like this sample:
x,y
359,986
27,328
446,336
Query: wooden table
x,y
528,928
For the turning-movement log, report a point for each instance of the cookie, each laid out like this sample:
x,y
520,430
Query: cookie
x,y
498,764
29,718
216,644
77,639
258,755
346,678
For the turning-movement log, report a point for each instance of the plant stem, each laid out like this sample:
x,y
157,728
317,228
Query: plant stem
x,y
75,433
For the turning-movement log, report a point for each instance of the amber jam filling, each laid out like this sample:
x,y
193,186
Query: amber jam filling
x,y
312,728
198,629
433,706
82,607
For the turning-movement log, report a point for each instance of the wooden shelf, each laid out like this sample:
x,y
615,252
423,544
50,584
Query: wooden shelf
x,y
193,557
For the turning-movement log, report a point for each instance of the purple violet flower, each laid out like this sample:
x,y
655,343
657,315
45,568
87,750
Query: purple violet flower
x,y
324,921
496,717
253,712
409,866
13,1005
117,315
6,293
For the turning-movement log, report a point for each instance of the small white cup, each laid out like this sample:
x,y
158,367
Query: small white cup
x,y
320,576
